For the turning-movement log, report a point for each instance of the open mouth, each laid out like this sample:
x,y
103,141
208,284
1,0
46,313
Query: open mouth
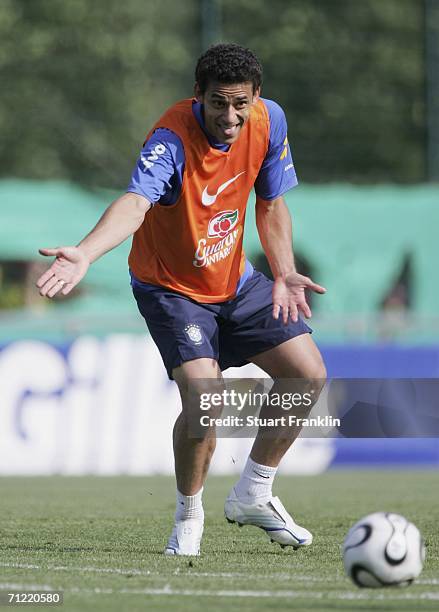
x,y
229,131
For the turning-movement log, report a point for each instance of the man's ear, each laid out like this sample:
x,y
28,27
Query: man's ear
x,y
197,93
256,95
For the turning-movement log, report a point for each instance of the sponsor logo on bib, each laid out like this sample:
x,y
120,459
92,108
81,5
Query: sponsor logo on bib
x,y
222,226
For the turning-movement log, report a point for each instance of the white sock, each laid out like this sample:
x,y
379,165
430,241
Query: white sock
x,y
255,482
189,506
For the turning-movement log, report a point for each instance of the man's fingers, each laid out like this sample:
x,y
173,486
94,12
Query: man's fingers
x,y
289,310
54,286
318,288
67,288
314,286
305,309
294,314
49,252
54,290
67,264
45,277
286,316
48,285
57,287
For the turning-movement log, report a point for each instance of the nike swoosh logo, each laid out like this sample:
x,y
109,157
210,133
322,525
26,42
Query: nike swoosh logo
x,y
261,475
208,200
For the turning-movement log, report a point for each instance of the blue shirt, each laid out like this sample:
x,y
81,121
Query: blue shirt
x,y
158,174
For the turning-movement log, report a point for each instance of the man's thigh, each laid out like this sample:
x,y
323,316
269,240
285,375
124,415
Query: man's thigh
x,y
250,328
298,357
182,329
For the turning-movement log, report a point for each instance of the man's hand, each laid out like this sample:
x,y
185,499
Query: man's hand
x,y
289,295
70,266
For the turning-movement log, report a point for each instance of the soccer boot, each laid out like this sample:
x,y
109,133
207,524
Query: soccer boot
x,y
185,538
270,516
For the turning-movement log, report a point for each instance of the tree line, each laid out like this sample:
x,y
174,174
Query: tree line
x,y
83,81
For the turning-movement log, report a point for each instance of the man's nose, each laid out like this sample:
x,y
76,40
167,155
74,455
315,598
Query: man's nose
x,y
230,114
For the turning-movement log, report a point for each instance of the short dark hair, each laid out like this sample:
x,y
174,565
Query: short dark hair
x,y
228,63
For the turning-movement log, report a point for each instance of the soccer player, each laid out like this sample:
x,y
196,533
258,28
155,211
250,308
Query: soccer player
x,y
205,306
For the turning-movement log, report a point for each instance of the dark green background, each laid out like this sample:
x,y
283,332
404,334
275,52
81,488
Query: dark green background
x,y
83,81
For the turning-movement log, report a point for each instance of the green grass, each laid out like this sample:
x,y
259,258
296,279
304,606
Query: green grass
x,y
100,541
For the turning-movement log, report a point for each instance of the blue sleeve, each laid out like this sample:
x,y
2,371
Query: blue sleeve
x,y
158,174
277,174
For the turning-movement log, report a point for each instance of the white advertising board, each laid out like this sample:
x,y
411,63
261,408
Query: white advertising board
x,y
106,406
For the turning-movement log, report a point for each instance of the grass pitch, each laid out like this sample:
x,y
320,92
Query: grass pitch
x,y
100,540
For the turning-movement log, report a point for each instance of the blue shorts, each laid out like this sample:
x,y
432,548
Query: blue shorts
x,y
229,332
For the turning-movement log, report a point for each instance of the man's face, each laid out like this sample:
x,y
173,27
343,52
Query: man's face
x,y
226,109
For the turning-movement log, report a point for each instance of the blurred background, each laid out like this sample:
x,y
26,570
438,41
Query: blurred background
x,y
82,387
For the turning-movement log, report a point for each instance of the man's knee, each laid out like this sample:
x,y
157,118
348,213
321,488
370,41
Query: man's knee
x,y
316,375
316,369
310,367
310,376
198,381
189,372
197,377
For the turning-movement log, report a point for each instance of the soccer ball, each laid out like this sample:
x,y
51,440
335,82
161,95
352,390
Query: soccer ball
x,y
383,549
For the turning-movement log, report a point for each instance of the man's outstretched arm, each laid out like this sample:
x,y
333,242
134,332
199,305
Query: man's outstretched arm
x,y
274,225
120,220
